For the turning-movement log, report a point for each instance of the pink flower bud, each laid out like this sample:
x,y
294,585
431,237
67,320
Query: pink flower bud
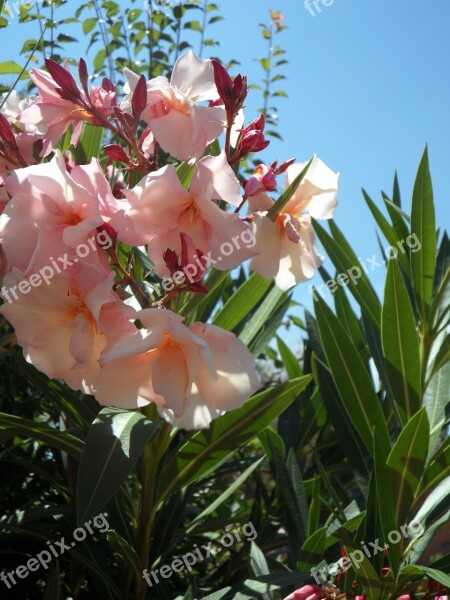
x,y
139,98
307,592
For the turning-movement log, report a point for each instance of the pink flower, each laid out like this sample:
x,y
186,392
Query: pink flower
x,y
262,180
113,210
180,125
193,374
307,592
49,214
162,209
65,323
53,112
288,251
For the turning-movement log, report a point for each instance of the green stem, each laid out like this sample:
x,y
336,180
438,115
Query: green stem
x,y
148,505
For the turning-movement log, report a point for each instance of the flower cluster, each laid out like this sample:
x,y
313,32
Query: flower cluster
x,y
95,322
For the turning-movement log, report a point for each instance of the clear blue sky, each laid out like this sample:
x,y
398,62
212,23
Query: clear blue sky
x,y
368,84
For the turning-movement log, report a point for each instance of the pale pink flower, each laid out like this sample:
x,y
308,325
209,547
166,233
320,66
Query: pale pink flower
x,y
53,112
113,210
49,214
307,592
162,209
64,324
193,374
179,123
287,246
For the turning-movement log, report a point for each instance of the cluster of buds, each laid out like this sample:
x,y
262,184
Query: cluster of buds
x,y
94,105
251,140
191,264
264,178
232,92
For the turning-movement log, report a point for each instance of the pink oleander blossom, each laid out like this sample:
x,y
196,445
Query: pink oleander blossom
x,y
162,209
64,323
181,125
287,246
193,374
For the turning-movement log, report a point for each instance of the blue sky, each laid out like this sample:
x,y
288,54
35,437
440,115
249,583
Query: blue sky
x,y
368,84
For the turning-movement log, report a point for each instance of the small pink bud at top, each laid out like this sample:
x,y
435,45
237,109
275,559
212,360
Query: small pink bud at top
x,y
116,152
307,592
108,85
83,74
404,597
139,98
64,78
361,597
223,82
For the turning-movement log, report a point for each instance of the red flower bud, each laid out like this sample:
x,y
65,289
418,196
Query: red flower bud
x,y
139,98
106,236
116,152
7,133
252,141
223,82
83,75
108,85
64,78
171,259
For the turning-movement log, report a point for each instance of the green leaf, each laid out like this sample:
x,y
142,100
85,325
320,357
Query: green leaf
x,y
206,449
437,470
423,262
389,232
288,193
242,302
115,441
290,361
11,68
347,434
262,315
89,25
43,433
185,171
53,588
351,376
231,489
313,549
436,400
401,344
347,263
385,501
406,463
89,145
